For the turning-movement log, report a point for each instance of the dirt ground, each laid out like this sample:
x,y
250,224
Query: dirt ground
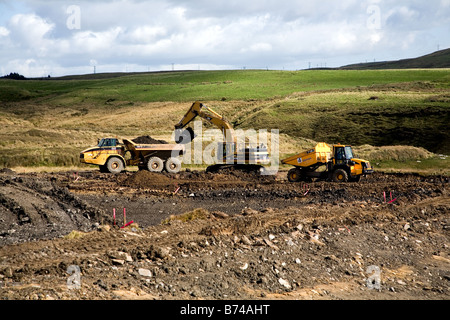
x,y
222,236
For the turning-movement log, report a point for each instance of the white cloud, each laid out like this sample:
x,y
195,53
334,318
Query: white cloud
x,y
145,35
375,38
29,30
258,47
4,32
29,67
95,42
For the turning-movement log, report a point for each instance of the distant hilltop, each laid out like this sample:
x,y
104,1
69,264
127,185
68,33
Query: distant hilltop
x,y
438,59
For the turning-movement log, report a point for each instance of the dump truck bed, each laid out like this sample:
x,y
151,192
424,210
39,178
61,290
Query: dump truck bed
x,y
320,154
141,153
152,147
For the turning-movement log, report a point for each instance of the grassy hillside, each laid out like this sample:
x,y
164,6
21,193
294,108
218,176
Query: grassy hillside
x,y
47,122
365,116
438,59
203,85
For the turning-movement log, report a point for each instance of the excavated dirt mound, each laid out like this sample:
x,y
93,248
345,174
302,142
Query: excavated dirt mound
x,y
143,179
203,236
148,140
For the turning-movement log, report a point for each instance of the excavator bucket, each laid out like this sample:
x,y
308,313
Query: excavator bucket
x,y
184,136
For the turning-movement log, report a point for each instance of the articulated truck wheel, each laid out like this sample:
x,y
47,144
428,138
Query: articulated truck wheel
x,y
155,164
114,165
340,175
173,165
294,175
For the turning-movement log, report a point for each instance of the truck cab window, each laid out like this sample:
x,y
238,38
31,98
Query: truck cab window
x,y
340,154
107,143
100,143
348,153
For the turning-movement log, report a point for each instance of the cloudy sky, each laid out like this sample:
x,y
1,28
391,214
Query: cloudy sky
x,y
40,38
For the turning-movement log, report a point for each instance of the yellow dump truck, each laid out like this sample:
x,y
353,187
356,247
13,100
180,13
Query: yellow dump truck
x,y
113,156
324,162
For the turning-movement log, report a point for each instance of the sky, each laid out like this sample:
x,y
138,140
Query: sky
x,y
58,37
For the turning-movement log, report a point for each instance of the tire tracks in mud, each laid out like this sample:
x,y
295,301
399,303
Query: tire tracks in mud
x,y
33,208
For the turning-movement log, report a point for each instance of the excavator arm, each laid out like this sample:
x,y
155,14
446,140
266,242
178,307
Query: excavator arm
x,y
198,109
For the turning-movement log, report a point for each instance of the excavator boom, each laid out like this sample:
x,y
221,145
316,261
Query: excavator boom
x,y
198,109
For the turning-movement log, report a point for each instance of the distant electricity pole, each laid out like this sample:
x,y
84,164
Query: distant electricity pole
x,y
95,69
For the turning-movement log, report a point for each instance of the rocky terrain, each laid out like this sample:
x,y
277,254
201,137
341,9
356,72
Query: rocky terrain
x,y
195,236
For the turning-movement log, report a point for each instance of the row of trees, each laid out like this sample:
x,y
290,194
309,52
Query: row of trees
x,y
14,76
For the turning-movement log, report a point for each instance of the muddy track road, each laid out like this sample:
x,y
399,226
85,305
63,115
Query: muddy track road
x,y
224,236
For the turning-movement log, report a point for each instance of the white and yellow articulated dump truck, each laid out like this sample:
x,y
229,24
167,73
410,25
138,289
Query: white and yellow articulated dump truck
x,y
327,162
113,156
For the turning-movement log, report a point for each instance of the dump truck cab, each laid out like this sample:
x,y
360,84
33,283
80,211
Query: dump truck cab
x,y
342,154
99,154
108,155
345,167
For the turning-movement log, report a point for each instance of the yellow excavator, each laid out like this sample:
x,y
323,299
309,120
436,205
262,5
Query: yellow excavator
x,y
249,158
336,161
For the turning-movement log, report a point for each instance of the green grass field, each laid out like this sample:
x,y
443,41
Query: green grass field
x,y
208,85
47,122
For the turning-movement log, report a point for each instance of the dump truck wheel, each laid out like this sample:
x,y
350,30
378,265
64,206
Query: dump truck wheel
x,y
173,165
294,175
114,165
155,164
340,175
